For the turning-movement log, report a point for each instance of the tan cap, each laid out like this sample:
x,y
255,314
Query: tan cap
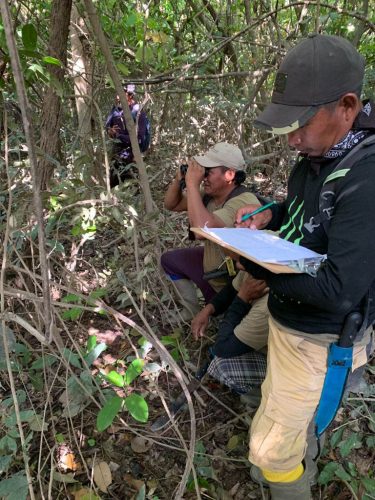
x,y
222,155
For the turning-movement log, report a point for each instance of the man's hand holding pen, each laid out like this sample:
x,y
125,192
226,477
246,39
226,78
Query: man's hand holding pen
x,y
254,216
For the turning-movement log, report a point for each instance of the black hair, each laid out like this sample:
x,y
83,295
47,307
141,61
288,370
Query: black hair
x,y
239,177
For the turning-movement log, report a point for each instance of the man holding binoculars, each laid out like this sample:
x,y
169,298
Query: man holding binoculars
x,y
210,189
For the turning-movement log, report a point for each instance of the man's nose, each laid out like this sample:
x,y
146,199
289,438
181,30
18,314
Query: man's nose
x,y
294,139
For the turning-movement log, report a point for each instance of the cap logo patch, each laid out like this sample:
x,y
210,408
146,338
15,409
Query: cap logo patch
x,y
280,82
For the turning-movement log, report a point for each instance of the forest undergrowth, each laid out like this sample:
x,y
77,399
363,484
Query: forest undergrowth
x,y
80,426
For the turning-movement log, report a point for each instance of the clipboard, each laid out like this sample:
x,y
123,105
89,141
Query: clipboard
x,y
265,249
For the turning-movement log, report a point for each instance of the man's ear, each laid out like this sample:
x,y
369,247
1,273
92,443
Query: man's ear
x,y
351,106
230,175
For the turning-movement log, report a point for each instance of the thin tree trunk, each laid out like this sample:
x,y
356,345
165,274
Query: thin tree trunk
x,y
361,25
27,123
51,112
81,70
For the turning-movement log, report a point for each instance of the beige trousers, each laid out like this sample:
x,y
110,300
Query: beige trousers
x,y
253,329
290,395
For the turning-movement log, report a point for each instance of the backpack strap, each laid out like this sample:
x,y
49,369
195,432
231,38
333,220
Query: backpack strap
x,y
327,195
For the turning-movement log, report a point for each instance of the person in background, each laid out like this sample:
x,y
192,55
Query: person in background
x,y
121,155
220,171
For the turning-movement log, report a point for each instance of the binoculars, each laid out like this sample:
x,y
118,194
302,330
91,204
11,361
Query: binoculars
x,y
183,170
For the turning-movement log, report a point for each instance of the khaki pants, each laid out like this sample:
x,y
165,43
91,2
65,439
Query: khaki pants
x,y
253,329
290,395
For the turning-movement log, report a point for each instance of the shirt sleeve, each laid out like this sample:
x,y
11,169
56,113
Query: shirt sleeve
x,y
227,344
222,300
108,122
228,212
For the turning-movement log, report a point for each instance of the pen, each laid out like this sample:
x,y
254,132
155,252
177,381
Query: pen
x,y
257,211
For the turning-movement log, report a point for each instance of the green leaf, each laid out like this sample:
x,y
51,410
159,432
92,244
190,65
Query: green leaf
x,y
44,361
123,69
115,378
76,398
95,353
202,483
72,314
342,474
207,472
91,343
37,424
370,441
29,53
37,380
36,68
168,340
369,485
328,473
76,230
354,441
97,294
354,483
13,433
175,353
336,437
21,398
25,416
15,487
52,60
59,438
137,407
108,413
352,469
71,298
23,353
64,478
29,36
133,371
132,19
8,445
72,358
4,463
57,246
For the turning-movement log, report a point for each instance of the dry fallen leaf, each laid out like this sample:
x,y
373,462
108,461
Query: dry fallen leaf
x,y
102,476
66,459
140,444
233,442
